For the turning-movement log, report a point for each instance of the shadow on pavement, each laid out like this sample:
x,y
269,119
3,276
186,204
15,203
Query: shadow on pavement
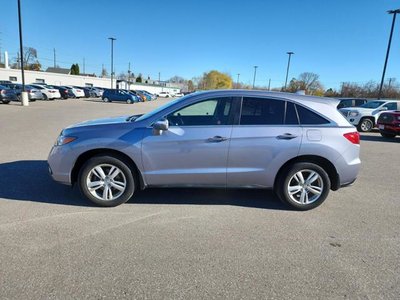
x,y
29,180
379,138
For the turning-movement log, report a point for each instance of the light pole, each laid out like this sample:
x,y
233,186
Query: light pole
x,y
24,94
394,13
237,82
129,76
112,39
254,77
288,66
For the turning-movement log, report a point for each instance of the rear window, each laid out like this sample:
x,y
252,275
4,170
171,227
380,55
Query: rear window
x,y
260,111
307,117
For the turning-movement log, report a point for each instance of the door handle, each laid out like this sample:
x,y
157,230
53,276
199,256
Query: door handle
x,y
217,139
286,136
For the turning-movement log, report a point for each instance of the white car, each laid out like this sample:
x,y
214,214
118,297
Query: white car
x,y
47,92
77,92
179,94
365,116
164,95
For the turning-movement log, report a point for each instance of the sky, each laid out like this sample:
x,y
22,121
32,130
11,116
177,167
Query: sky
x,y
341,40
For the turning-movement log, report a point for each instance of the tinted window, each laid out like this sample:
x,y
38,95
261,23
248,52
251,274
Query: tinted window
x,y
345,103
391,106
360,102
307,117
291,115
207,112
259,111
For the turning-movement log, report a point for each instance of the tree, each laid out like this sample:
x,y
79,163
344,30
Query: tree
x,y
30,60
308,82
139,78
75,69
216,80
104,72
190,86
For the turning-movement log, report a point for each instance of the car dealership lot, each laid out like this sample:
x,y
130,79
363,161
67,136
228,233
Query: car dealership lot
x,y
187,243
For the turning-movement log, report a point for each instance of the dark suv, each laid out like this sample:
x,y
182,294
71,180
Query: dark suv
x,y
118,95
389,124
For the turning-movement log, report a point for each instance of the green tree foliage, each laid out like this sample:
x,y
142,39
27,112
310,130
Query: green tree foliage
x,y
75,69
216,80
139,78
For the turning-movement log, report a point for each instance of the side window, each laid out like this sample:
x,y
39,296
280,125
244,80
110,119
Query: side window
x,y
391,106
207,112
360,102
260,111
291,115
307,117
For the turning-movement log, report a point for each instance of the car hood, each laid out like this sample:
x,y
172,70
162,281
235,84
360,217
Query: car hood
x,y
104,121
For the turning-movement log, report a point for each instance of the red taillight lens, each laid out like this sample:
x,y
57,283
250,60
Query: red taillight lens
x,y
353,137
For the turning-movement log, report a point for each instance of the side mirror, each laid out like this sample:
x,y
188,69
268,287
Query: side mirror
x,y
160,126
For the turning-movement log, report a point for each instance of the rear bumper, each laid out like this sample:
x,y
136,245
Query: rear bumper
x,y
389,128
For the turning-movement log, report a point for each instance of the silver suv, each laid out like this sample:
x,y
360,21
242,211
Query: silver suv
x,y
299,146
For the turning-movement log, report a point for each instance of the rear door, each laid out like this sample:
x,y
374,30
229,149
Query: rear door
x,y
266,136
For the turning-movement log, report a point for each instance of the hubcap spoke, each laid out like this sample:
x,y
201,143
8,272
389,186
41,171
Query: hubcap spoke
x,y
299,177
113,172
304,197
316,190
294,189
118,185
98,171
312,177
94,185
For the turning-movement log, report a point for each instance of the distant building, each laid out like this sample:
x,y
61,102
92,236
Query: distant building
x,y
59,71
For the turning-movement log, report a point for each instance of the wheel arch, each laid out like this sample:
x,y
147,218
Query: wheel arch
x,y
82,158
318,160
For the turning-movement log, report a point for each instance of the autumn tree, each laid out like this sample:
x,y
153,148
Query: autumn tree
x,y
215,80
308,82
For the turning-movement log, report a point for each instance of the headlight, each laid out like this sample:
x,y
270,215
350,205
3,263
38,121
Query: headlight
x,y
63,140
354,114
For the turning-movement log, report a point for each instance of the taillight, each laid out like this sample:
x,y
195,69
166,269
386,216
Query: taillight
x,y
353,137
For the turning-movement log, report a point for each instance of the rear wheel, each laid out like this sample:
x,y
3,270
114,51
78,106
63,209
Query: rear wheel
x,y
107,180
387,135
303,186
129,101
5,101
365,125
106,99
45,97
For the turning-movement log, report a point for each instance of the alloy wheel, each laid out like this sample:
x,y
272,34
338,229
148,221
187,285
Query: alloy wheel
x,y
305,186
106,182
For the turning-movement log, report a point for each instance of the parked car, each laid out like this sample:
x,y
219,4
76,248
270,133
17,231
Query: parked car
x,y
65,92
164,94
144,95
389,124
141,96
179,94
7,95
47,92
351,102
77,91
135,96
152,96
365,116
33,94
96,93
2,82
118,95
300,146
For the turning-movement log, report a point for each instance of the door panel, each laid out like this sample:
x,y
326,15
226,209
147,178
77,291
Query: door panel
x,y
186,156
257,152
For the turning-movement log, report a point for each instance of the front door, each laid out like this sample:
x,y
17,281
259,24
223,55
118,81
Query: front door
x,y
194,151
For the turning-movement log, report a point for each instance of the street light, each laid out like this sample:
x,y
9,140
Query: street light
x,y
237,83
112,39
288,66
394,13
254,77
24,94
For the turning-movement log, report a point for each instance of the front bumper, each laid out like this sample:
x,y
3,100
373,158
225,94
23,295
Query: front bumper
x,y
60,163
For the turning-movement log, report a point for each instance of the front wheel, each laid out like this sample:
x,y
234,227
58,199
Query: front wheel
x,y
365,125
129,101
303,186
106,99
106,180
5,101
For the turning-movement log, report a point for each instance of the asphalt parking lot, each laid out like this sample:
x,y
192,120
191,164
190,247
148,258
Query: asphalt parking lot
x,y
185,244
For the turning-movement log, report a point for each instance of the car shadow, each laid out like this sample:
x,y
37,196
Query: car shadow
x,y
29,180
379,138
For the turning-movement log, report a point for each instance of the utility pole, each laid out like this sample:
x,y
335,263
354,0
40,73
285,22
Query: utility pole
x,y
394,13
84,66
112,39
254,77
24,94
237,82
129,76
288,66
269,84
54,57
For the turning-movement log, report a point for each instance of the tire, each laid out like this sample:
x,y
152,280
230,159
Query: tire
x,y
106,163
365,125
106,99
45,97
5,101
129,101
387,135
297,199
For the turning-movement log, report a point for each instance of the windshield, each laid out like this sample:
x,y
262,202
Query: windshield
x,y
372,104
157,110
